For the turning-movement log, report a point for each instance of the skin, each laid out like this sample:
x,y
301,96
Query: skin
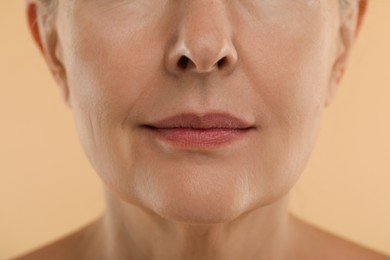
x,y
116,63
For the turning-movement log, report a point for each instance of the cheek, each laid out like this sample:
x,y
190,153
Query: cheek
x,y
110,50
109,72
289,66
104,66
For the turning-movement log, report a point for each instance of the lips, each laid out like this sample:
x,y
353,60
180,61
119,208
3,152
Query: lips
x,y
194,131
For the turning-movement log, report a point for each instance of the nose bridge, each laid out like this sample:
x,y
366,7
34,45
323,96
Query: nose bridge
x,y
204,37
206,19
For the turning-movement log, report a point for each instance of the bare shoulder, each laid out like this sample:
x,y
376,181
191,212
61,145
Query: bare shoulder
x,y
322,245
65,248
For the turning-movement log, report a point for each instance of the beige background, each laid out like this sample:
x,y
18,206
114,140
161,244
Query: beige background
x,y
48,189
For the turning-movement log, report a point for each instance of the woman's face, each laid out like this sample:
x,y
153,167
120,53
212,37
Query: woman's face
x,y
266,62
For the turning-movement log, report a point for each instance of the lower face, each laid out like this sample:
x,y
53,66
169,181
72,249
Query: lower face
x,y
114,54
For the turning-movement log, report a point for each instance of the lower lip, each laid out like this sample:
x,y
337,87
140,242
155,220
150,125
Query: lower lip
x,y
199,138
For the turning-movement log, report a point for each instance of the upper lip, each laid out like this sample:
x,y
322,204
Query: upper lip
x,y
206,121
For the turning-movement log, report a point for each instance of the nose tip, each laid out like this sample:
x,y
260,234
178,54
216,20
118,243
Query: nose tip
x,y
202,42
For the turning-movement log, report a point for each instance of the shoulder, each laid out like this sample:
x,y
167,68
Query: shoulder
x,y
65,248
59,249
322,245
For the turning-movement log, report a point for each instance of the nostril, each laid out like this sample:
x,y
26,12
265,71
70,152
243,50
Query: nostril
x,y
183,62
222,62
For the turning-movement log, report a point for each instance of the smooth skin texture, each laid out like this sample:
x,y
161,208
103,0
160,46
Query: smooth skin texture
x,y
275,64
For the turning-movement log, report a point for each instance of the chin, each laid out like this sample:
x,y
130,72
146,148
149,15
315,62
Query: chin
x,y
199,212
200,204
199,192
211,210
194,194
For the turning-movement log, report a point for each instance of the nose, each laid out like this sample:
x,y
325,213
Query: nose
x,y
203,40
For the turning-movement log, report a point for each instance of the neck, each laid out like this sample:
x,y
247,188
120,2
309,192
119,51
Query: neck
x,y
131,232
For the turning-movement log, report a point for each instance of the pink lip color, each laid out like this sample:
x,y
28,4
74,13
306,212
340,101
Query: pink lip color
x,y
193,131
